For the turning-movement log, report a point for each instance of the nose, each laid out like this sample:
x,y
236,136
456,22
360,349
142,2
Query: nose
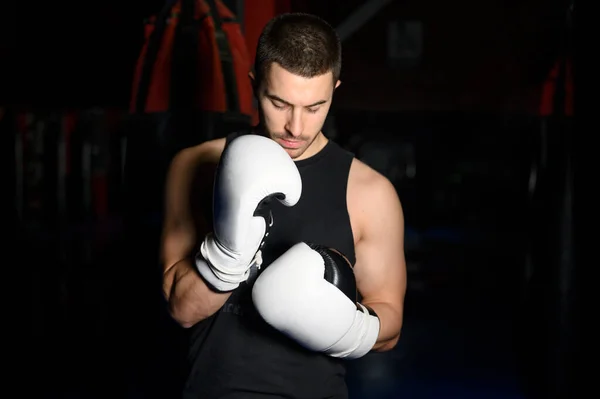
x,y
294,124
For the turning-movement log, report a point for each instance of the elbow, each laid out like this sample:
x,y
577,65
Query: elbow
x,y
176,311
391,344
388,344
184,312
185,324
180,317
173,307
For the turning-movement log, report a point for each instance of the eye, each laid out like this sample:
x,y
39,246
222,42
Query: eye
x,y
278,106
312,110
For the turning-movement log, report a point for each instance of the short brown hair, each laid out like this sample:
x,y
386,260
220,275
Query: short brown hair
x,y
303,44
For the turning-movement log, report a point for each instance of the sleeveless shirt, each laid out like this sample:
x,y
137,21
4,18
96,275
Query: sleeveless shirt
x,y
234,354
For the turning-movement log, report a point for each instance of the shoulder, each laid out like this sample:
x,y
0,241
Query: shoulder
x,y
188,161
364,181
371,196
188,164
206,152
190,175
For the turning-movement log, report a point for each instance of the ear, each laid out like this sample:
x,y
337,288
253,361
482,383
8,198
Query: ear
x,y
253,82
337,84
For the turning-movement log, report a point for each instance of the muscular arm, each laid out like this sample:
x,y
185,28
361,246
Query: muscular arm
x,y
190,300
380,268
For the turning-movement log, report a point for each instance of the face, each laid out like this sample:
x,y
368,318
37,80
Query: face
x,y
293,110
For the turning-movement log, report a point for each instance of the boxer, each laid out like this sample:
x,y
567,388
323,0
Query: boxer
x,y
282,253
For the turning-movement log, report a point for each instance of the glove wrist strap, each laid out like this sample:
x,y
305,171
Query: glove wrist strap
x,y
360,338
220,267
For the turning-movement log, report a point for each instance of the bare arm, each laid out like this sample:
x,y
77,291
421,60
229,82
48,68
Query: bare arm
x,y
190,300
380,268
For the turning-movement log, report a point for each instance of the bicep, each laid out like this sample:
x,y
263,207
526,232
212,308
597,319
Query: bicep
x,y
188,199
380,268
181,223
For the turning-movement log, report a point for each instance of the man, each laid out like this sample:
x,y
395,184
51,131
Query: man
x,y
269,290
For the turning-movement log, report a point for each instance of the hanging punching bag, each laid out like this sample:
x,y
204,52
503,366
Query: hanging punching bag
x,y
549,327
190,85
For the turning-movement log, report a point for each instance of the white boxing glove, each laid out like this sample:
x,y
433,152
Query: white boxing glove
x,y
305,295
252,169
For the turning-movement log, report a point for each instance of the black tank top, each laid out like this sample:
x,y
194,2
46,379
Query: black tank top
x,y
235,354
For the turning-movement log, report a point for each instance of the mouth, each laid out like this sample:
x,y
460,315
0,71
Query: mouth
x,y
290,144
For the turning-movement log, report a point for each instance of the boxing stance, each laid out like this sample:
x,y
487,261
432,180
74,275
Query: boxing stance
x,y
293,294
282,253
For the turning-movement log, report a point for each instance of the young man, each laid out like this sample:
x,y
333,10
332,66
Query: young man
x,y
299,226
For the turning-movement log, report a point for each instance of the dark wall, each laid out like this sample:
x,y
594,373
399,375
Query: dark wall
x,y
488,55
73,53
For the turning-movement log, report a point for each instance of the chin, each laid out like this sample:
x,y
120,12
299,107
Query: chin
x,y
295,152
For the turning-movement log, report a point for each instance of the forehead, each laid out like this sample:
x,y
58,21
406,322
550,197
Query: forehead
x,y
296,89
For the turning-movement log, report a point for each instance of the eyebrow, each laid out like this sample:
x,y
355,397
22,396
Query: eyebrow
x,y
276,98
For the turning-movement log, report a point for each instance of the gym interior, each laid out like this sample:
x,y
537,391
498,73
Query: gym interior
x,y
466,107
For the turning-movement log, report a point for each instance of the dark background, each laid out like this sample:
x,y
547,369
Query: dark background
x,y
485,179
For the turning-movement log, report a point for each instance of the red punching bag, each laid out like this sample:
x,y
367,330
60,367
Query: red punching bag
x,y
194,58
